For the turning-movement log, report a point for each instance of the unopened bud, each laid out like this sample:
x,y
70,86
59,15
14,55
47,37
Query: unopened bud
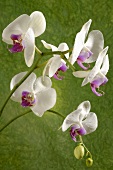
x,y
79,152
89,162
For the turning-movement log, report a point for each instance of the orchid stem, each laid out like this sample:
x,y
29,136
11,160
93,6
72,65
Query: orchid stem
x,y
12,120
81,140
52,111
30,71
20,82
57,52
66,60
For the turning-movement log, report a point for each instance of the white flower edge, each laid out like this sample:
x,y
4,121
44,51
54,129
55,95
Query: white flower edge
x,y
102,60
55,62
81,117
45,95
28,27
79,41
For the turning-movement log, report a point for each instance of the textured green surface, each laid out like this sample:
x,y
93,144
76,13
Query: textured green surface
x,y
35,143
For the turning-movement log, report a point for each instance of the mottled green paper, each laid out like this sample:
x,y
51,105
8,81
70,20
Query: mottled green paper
x,y
33,143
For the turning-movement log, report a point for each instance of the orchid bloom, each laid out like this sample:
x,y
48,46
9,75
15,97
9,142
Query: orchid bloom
x,y
55,64
86,52
97,76
34,93
81,121
21,34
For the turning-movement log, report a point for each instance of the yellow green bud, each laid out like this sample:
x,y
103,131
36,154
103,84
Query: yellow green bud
x,y
79,152
89,162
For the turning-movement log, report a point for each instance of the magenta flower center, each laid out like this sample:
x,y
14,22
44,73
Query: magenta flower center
x,y
83,56
18,45
28,99
97,83
76,130
62,68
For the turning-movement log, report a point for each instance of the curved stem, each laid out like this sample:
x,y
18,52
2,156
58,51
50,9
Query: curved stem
x,y
67,61
30,71
18,84
14,119
80,137
52,111
57,52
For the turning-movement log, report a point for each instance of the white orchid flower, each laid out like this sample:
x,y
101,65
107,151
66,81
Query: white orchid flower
x,y
34,93
81,121
87,52
97,76
55,64
21,34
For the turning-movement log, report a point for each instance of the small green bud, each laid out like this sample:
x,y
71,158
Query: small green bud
x,y
89,162
79,152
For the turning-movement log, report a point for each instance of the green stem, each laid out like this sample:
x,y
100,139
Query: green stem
x,y
67,61
14,119
43,64
56,52
18,84
29,72
80,137
52,111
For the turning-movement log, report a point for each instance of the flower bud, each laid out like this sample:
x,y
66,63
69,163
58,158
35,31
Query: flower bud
x,y
79,152
89,162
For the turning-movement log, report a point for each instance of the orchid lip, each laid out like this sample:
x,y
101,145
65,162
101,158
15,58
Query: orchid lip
x,y
62,68
18,45
76,130
28,99
97,83
83,56
79,62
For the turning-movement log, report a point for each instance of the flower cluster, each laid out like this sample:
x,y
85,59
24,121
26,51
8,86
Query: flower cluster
x,y
37,93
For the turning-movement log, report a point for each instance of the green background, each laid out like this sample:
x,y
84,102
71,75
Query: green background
x,y
33,143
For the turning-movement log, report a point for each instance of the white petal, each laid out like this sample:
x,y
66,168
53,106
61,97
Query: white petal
x,y
29,41
64,47
95,44
72,119
49,46
101,57
27,85
96,68
85,106
52,66
79,41
85,81
81,74
78,45
105,66
42,84
38,23
18,26
85,28
45,100
90,123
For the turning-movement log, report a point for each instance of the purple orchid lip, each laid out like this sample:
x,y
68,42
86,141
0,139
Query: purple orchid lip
x,y
76,130
17,44
62,68
97,83
79,62
27,99
16,48
83,56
